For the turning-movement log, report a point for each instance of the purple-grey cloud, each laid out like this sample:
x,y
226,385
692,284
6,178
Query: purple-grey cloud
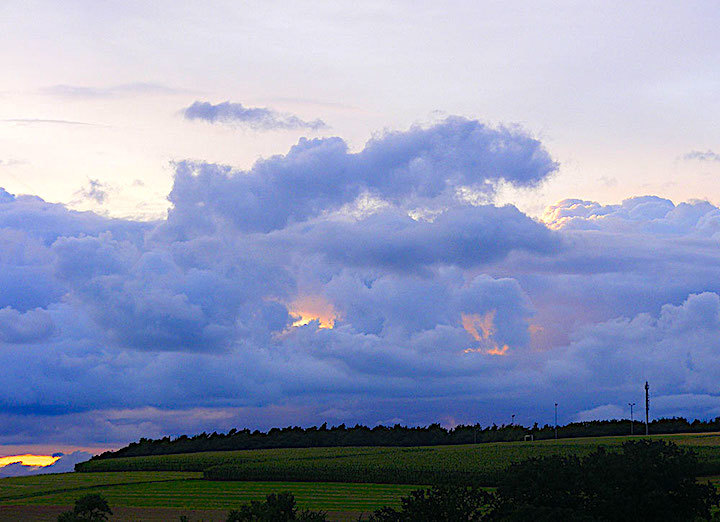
x,y
94,191
257,118
320,175
31,121
219,315
126,89
698,155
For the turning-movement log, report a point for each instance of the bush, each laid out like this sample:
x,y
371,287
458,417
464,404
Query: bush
x,y
93,508
279,507
443,502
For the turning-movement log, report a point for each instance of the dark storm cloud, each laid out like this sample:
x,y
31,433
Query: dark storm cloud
x,y
257,118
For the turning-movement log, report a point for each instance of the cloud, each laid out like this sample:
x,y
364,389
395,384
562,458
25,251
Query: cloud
x,y
65,464
31,121
256,118
421,166
95,191
27,327
465,236
707,155
604,412
10,162
359,283
126,89
677,351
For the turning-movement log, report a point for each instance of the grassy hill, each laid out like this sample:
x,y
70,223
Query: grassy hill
x,y
418,465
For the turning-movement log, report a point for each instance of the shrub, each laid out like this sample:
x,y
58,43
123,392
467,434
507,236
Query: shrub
x,y
92,508
442,502
280,507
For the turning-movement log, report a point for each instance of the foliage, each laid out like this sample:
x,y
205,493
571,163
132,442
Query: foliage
x,y
358,435
91,508
470,503
645,480
277,507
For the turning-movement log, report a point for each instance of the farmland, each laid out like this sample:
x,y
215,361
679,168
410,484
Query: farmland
x,y
343,481
419,465
137,494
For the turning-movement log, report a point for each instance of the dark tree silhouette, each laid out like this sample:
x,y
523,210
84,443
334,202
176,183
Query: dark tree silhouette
x,y
92,507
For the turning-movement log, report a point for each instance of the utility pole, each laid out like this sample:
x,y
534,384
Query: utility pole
x,y
631,404
647,408
556,420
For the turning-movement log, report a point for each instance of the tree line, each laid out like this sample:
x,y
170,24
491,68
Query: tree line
x,y
397,435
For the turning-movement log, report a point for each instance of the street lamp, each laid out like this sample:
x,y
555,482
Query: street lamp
x,y
631,404
512,422
556,405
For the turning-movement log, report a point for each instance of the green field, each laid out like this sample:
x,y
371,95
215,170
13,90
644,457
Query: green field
x,y
418,465
187,491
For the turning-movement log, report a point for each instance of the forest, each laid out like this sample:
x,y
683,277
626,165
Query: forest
x,y
397,435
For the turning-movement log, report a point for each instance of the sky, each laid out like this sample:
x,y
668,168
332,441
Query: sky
x,y
261,214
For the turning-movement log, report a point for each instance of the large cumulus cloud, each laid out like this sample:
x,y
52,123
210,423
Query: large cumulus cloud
x,y
325,284
321,175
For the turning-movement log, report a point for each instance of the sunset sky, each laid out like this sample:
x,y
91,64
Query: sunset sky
x,y
256,214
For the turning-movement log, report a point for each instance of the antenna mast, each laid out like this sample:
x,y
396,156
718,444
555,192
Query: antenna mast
x,y
647,408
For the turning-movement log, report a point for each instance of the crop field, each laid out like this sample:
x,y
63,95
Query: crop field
x,y
24,488
342,481
396,465
184,492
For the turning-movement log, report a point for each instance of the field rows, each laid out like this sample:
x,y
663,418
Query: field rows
x,y
192,493
44,484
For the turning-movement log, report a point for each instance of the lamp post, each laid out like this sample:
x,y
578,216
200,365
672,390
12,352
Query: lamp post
x,y
631,404
556,405
512,422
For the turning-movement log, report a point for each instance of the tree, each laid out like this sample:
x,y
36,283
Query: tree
x,y
442,502
89,508
277,507
645,480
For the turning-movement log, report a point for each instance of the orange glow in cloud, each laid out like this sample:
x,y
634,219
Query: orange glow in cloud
x,y
482,329
28,460
498,351
313,308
